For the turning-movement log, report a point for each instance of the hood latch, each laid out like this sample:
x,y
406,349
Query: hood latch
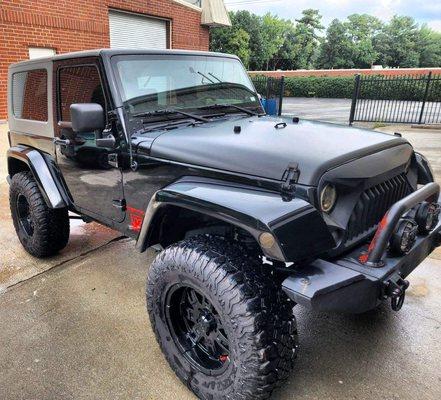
x,y
289,178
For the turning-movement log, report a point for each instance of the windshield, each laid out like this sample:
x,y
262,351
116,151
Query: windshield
x,y
157,82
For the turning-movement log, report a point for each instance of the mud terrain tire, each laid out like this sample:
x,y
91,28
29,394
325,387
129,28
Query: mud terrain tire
x,y
256,318
41,230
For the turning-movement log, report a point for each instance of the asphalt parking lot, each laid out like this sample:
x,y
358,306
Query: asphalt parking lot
x,y
337,110
75,326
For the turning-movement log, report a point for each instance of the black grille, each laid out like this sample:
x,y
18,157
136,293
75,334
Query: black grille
x,y
373,204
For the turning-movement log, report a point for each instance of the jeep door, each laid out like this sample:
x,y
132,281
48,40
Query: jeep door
x,y
94,183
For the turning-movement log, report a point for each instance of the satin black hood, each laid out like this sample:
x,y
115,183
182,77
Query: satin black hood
x,y
262,150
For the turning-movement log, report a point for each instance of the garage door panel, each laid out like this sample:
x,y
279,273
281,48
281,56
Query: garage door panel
x,y
132,31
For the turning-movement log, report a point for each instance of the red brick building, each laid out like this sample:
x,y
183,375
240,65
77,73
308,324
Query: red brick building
x,y
33,28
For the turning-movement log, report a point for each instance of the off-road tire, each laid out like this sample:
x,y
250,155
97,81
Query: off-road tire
x,y
50,226
257,316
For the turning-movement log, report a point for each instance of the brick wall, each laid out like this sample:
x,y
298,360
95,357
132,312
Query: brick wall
x,y
82,24
348,72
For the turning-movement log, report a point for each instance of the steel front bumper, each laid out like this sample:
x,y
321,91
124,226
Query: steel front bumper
x,y
354,285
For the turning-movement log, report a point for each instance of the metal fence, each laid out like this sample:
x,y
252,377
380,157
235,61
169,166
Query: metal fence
x,y
397,99
271,89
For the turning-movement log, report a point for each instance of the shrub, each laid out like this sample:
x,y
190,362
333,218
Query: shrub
x,y
374,87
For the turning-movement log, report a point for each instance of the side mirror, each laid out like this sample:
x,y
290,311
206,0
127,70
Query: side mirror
x,y
87,117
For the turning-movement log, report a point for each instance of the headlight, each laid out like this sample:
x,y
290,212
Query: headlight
x,y
427,217
328,196
404,236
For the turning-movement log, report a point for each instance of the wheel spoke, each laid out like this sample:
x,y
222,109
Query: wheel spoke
x,y
222,341
210,344
191,297
197,326
206,304
192,315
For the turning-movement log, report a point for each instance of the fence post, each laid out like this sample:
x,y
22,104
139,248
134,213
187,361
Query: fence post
x,y
426,93
268,85
355,98
281,94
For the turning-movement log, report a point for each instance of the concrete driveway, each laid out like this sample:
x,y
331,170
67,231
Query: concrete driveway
x,y
337,110
15,264
78,328
329,110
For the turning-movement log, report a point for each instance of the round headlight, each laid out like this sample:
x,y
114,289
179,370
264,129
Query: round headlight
x,y
404,236
427,217
267,240
328,196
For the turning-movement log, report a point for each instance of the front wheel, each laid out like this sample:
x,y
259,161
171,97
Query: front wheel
x,y
224,326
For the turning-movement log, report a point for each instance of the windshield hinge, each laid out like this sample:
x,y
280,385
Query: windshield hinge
x,y
289,178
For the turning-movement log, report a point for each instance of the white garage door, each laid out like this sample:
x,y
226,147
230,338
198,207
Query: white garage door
x,y
133,31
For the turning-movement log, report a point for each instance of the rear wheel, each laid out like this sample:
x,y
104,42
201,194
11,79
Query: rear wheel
x,y
41,230
224,326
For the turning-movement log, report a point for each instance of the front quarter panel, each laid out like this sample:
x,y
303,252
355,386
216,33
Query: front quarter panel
x,y
298,228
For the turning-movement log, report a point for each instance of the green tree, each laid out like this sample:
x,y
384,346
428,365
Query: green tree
x,y
287,54
239,44
397,43
429,47
307,38
362,28
233,40
273,32
336,49
252,24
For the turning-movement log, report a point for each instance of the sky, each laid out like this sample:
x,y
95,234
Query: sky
x,y
428,11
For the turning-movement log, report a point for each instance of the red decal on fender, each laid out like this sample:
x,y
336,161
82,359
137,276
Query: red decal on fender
x,y
136,217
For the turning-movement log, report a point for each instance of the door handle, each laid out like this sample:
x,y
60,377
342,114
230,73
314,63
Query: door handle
x,y
112,159
120,204
61,142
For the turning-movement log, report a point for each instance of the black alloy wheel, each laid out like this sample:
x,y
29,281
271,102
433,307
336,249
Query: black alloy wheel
x,y
24,215
197,329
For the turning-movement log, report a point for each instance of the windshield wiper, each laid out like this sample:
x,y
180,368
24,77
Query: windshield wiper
x,y
243,109
215,77
168,126
171,111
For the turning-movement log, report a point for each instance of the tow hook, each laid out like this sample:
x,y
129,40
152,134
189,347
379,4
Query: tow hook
x,y
396,290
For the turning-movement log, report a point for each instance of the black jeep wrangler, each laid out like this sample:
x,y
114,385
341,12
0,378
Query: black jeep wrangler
x,y
251,214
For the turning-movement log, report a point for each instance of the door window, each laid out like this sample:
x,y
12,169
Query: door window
x,y
81,84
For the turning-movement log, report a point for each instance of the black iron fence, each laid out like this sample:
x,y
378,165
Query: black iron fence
x,y
271,89
397,99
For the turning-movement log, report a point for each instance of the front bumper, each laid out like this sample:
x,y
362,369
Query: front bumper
x,y
349,285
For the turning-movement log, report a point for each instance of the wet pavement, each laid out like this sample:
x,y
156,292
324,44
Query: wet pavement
x,y
15,264
328,110
81,331
76,327
337,110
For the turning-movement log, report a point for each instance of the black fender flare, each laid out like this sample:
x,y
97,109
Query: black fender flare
x,y
297,227
37,164
425,173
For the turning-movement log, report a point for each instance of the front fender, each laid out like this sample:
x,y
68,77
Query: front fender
x,y
298,228
425,173
40,170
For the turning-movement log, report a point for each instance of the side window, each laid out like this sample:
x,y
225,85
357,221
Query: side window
x,y
29,95
80,84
